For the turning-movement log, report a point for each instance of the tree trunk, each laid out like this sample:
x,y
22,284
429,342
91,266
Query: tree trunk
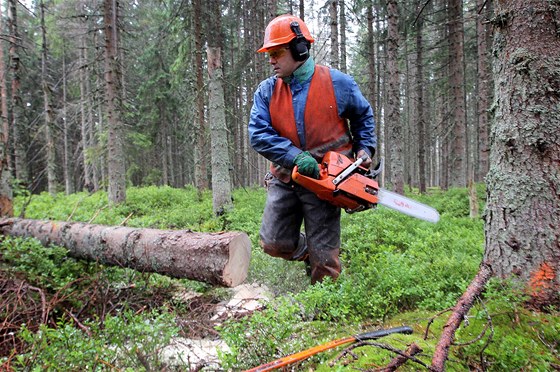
x,y
201,169
343,26
6,192
483,92
421,123
333,13
115,144
370,44
523,204
49,114
394,125
68,164
215,258
221,163
380,97
272,9
85,108
20,163
459,160
221,182
163,134
409,131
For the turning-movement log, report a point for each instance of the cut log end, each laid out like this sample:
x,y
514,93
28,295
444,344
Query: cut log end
x,y
235,270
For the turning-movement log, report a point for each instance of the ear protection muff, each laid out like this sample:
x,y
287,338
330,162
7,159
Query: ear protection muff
x,y
299,46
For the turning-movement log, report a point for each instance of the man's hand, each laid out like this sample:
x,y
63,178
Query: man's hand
x,y
367,160
307,165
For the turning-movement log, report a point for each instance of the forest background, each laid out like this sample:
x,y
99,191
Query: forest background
x,y
116,98
65,136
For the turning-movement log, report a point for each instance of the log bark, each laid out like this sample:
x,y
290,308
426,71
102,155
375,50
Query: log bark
x,y
214,258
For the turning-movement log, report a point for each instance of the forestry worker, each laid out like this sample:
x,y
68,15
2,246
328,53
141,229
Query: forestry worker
x,y
298,114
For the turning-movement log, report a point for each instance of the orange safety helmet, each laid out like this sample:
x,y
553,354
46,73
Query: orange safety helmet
x,y
279,31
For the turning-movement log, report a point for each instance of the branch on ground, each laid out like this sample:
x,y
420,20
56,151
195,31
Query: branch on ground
x,y
459,313
402,356
399,360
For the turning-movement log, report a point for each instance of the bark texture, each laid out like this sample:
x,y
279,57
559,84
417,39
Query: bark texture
x,y
394,126
333,15
523,204
6,193
221,163
420,121
483,89
19,150
201,151
214,258
458,161
48,110
113,90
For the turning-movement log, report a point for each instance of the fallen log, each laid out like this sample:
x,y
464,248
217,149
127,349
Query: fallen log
x,y
214,258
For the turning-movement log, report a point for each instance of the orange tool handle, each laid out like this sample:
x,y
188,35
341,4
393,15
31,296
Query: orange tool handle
x,y
329,345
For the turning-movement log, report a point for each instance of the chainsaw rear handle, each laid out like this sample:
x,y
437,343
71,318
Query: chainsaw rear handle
x,y
373,173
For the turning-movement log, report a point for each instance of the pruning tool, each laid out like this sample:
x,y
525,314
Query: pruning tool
x,y
278,363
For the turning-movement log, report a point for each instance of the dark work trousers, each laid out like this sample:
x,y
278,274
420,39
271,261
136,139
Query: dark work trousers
x,y
287,206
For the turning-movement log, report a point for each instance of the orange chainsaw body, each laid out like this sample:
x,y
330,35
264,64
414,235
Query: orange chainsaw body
x,y
354,193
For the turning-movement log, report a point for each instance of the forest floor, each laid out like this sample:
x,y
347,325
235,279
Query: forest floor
x,y
66,314
200,343
196,345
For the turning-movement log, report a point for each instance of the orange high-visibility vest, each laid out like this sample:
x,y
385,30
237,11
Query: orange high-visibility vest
x,y
325,130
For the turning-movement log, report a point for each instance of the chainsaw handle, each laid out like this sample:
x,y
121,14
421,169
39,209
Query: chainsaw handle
x,y
377,170
382,333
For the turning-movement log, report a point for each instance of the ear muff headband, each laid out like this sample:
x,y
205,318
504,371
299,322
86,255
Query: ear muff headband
x,y
299,46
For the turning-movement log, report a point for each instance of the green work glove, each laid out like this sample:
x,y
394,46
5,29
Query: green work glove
x,y
307,165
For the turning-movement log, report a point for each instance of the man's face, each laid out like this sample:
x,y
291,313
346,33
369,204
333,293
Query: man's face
x,y
282,61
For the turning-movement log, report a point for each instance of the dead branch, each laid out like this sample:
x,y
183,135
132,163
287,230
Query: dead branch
x,y
432,320
21,303
399,360
405,355
125,221
74,209
480,336
97,213
460,311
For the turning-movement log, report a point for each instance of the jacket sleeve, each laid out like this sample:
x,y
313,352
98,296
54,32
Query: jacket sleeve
x,y
262,136
353,106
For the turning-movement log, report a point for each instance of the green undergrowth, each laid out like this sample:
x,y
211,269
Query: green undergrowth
x,y
397,270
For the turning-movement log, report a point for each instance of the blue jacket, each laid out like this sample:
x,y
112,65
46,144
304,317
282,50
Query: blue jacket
x,y
351,104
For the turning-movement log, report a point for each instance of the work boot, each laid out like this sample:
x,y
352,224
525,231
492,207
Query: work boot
x,y
325,263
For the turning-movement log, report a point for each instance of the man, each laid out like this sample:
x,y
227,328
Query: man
x,y
298,115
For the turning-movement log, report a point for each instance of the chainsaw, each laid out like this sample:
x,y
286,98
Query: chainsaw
x,y
350,186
